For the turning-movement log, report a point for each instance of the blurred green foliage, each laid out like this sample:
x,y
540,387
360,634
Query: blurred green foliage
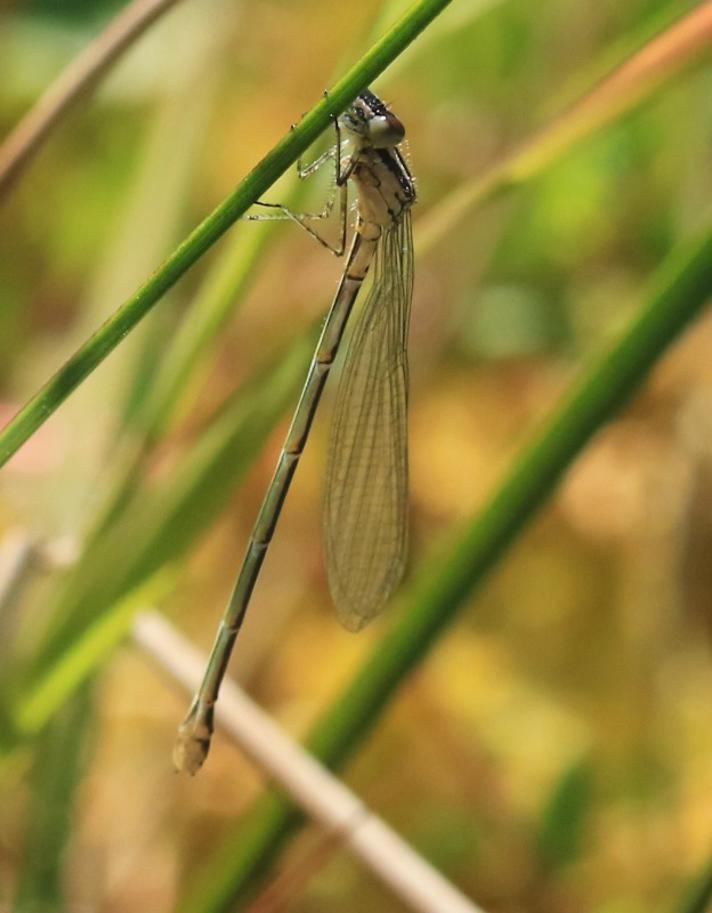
x,y
87,12
560,828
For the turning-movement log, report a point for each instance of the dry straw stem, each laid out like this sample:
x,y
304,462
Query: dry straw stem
x,y
677,47
80,76
316,791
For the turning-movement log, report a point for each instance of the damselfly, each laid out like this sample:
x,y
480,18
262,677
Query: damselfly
x,y
365,513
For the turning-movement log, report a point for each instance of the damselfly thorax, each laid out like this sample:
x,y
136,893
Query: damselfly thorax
x,y
385,185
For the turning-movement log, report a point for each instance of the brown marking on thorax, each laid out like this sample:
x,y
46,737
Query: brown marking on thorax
x,y
380,197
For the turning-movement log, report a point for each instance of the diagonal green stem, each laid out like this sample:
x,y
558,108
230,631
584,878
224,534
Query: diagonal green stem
x,y
683,287
38,409
698,896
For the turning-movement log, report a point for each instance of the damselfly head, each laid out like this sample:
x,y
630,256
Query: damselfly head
x,y
369,118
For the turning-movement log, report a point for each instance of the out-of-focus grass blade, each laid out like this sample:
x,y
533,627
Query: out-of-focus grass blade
x,y
144,232
680,290
698,896
161,523
56,771
559,831
36,703
220,295
153,223
454,18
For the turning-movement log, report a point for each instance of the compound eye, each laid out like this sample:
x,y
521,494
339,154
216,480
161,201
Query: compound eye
x,y
385,130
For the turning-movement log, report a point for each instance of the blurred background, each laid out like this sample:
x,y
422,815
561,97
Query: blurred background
x,y
554,751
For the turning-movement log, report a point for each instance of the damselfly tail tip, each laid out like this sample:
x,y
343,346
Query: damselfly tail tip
x,y
188,755
192,743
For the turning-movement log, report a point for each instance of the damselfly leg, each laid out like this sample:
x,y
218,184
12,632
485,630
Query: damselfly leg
x,y
339,190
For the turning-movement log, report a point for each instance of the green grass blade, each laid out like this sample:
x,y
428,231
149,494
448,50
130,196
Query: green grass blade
x,y
37,704
241,856
562,820
225,286
680,290
56,773
38,409
698,897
